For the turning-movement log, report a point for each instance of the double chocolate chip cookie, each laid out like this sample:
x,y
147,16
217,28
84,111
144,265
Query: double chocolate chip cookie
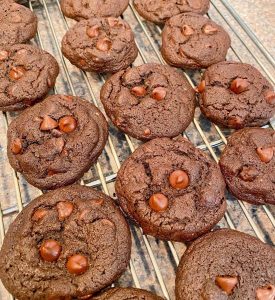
x,y
56,141
66,244
192,41
159,11
100,44
27,74
127,294
227,264
248,165
18,23
149,101
236,95
85,9
173,190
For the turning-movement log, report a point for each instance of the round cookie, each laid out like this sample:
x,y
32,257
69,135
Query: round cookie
x,y
86,9
159,11
56,141
236,95
18,23
71,242
192,41
127,294
171,189
27,73
226,264
248,165
149,101
100,44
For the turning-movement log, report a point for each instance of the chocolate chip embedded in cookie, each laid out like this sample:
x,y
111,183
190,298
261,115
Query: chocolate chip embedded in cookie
x,y
159,11
18,23
86,9
193,41
101,45
226,264
236,95
71,253
56,141
248,165
27,74
171,189
149,101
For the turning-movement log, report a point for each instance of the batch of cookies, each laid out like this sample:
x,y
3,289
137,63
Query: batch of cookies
x,y
74,241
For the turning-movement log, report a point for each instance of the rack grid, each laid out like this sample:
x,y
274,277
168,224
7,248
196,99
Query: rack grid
x,y
153,262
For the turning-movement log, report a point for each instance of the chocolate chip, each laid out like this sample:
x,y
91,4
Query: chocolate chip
x,y
239,85
187,30
39,214
50,250
266,293
249,173
158,202
265,154
209,29
270,97
16,73
147,132
48,123
235,122
56,133
67,124
67,98
139,91
98,202
64,209
77,264
227,283
16,146
58,144
201,86
104,44
114,22
159,93
3,55
179,179
93,31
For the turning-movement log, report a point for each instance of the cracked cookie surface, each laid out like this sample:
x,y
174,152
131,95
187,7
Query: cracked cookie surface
x,y
27,73
18,23
89,246
226,264
236,95
192,41
248,165
56,141
159,11
149,101
100,45
171,189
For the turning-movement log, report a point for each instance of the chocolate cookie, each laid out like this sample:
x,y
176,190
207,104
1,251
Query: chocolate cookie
x,y
193,41
149,101
86,9
248,165
56,141
159,11
27,73
236,95
127,294
173,190
18,23
227,264
68,243
100,44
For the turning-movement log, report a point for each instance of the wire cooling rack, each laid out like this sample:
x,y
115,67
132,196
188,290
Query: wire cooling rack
x,y
153,262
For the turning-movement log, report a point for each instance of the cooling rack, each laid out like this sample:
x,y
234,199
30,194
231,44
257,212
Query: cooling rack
x,y
153,262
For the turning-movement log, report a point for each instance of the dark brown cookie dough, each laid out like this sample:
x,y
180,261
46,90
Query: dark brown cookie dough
x,y
149,101
68,243
192,41
27,73
56,141
248,165
173,190
127,294
86,9
236,95
159,11
18,23
226,264
101,45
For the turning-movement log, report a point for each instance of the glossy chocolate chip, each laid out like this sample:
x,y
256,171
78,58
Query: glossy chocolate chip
x,y
64,209
50,250
187,30
48,123
201,86
239,85
235,122
16,73
39,214
265,154
138,91
227,283
158,202
159,93
67,124
249,173
270,97
179,179
3,55
209,29
16,146
77,264
266,293
146,132
104,44
93,31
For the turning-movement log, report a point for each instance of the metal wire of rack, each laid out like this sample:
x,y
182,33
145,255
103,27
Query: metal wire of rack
x,y
153,262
